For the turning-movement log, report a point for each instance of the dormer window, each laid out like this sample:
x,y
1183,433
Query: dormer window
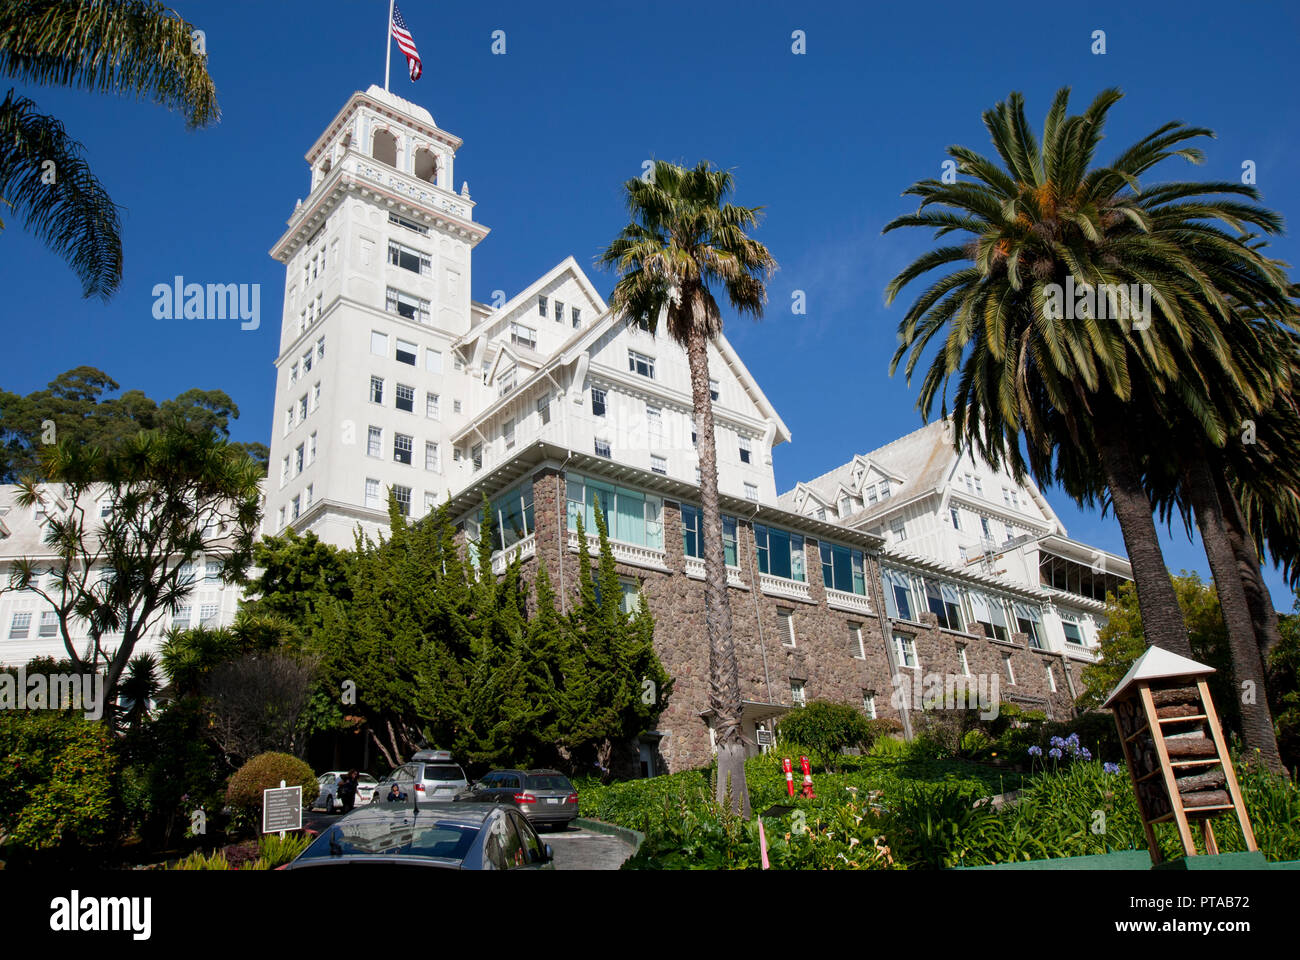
x,y
523,336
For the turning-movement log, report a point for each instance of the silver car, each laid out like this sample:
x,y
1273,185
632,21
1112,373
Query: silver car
x,y
543,796
431,775
329,784
455,836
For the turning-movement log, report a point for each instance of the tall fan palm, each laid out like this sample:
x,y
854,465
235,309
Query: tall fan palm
x,y
683,239
1070,381
108,46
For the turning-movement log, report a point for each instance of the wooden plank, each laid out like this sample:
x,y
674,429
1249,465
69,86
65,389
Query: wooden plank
x,y
1129,764
1171,789
1234,790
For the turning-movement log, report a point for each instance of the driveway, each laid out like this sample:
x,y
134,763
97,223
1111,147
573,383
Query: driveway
x,y
579,849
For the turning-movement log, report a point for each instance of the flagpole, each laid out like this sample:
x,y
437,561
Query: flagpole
x,y
388,43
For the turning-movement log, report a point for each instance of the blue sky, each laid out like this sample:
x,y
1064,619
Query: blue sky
x,y
825,141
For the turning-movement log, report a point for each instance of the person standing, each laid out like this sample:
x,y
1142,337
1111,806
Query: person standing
x,y
348,790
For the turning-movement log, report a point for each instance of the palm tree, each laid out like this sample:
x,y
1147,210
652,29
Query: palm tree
x,y
684,238
1072,383
108,46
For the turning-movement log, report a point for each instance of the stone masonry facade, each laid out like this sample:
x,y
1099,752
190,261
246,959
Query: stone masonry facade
x,y
826,656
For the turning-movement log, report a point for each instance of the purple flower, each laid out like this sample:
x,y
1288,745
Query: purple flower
x,y
1057,742
1035,751
1110,767
1085,753
1054,753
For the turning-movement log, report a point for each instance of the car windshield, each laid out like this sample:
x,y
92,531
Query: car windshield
x,y
366,780
543,782
391,837
443,773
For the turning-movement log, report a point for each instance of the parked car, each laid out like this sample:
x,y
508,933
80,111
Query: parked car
x,y
543,796
431,775
329,782
450,836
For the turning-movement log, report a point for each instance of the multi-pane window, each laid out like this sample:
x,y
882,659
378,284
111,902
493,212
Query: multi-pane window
x,y
181,618
797,695
1072,632
293,373
640,364
603,449
49,626
476,456
905,650
320,349
306,362
956,518
378,343
376,389
20,626
407,352
541,306
403,497
751,491
693,535
630,601
714,389
744,449
302,408
299,461
402,445
212,571
315,396
407,224
630,516
431,408
842,569
597,402
898,594
654,425
869,703
508,432
431,461
780,552
374,441
991,613
884,489
185,576
406,398
559,312
523,336
408,258
786,618
506,382
405,305
944,602
512,516
1029,621
455,406
575,313
544,409
284,470
372,494
658,464
295,507
898,528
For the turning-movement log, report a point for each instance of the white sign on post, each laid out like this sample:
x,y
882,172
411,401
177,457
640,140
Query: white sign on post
x,y
281,809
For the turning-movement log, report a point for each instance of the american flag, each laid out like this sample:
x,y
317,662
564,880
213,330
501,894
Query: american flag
x,y
406,42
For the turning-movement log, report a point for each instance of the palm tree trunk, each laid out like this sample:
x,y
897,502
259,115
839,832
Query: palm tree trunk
x,y
724,672
1262,613
1247,668
1162,617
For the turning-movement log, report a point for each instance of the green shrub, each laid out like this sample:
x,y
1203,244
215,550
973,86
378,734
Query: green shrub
x,y
827,728
264,772
57,794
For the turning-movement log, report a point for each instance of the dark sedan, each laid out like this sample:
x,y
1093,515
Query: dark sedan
x,y
452,836
543,796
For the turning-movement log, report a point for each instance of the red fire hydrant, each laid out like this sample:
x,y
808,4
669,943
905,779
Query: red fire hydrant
x,y
789,776
807,778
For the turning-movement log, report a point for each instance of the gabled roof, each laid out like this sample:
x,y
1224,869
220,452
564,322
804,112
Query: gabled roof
x,y
567,265
1157,664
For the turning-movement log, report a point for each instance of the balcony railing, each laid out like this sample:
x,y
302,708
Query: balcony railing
x,y
843,600
631,553
524,549
695,570
781,587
